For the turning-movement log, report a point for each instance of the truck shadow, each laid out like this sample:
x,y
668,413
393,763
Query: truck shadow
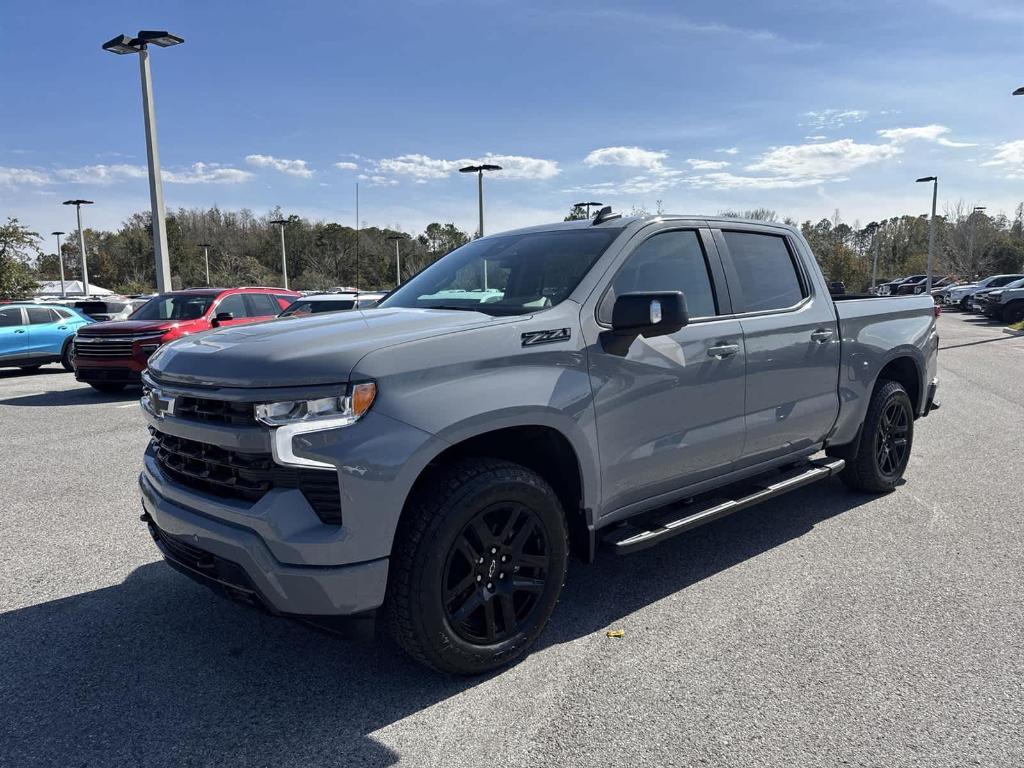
x,y
156,670
81,395
46,370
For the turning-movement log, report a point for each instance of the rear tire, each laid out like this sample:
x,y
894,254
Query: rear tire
x,y
887,436
107,387
477,568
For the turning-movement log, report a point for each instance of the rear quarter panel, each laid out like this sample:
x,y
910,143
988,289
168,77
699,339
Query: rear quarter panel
x,y
874,332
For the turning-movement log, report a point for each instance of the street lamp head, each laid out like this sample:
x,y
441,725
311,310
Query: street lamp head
x,y
928,178
397,237
162,37
121,45
205,245
58,233
1019,91
979,208
281,222
77,202
476,168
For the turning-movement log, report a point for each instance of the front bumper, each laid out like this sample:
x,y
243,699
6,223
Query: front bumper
x,y
239,560
113,371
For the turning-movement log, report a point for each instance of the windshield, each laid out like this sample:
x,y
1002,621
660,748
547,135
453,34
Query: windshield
x,y
174,307
301,307
507,275
998,282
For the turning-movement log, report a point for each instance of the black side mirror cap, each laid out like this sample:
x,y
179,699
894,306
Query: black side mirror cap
x,y
220,317
649,314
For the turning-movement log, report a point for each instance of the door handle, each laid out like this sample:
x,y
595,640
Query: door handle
x,y
822,335
19,330
723,350
62,327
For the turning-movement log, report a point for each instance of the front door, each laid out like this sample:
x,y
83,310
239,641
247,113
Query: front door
x,y
670,409
47,331
13,334
791,338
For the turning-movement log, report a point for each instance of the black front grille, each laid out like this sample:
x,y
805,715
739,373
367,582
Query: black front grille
x,y
216,411
246,476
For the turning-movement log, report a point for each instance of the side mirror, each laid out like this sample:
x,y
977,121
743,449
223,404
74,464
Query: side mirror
x,y
649,314
644,314
220,317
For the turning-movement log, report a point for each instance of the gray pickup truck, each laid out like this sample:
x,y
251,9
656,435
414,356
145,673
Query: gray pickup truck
x,y
604,383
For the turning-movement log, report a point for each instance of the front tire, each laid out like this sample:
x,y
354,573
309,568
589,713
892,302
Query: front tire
x,y
478,565
65,358
886,439
1013,312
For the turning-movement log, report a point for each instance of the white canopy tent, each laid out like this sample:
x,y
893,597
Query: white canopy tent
x,y
71,288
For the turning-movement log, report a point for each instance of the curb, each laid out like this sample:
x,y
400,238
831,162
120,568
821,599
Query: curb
x,y
1012,332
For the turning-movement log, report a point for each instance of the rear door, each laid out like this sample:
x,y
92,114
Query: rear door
x,y
47,332
262,306
791,339
13,334
670,409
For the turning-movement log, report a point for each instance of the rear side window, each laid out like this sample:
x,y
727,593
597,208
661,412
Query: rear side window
x,y
764,267
10,316
41,315
669,261
261,304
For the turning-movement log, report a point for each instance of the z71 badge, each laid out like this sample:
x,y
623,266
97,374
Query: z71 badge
x,y
533,338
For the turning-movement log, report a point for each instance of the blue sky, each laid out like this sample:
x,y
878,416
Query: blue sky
x,y
808,107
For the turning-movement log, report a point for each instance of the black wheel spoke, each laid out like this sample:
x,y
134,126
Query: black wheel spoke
x,y
522,537
539,562
472,603
508,611
483,533
525,584
509,527
452,593
492,628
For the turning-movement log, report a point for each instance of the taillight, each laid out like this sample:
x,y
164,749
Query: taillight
x,y
938,310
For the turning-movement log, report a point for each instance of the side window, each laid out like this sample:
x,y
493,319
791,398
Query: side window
x,y
63,314
262,305
670,261
40,315
10,316
764,267
234,304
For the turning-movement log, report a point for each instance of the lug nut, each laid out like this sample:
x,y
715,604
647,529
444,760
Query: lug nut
x,y
493,550
501,575
489,585
503,558
479,577
480,561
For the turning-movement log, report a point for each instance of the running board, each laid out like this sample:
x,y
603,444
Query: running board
x,y
627,539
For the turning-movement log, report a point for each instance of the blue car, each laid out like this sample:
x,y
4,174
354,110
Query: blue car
x,y
32,335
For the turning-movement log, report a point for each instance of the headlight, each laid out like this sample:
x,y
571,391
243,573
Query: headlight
x,y
338,411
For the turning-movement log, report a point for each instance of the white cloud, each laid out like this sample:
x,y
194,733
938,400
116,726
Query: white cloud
x,y
197,173
15,176
819,137
730,181
707,165
1009,155
833,118
630,157
423,167
636,185
729,150
932,132
344,166
291,167
822,160
376,180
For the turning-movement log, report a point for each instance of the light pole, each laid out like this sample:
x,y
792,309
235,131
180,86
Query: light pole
x,y
931,230
877,243
479,171
970,238
60,261
206,258
284,257
587,206
122,44
398,259
81,241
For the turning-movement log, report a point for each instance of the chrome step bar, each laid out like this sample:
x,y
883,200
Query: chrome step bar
x,y
628,539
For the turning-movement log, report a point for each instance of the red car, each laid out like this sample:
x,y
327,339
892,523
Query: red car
x,y
109,356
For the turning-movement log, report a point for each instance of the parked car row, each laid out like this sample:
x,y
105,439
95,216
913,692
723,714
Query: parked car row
x,y
107,341
998,296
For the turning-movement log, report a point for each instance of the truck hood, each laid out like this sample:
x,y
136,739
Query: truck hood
x,y
301,351
129,327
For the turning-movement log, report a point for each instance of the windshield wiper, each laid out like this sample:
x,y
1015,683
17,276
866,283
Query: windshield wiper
x,y
457,307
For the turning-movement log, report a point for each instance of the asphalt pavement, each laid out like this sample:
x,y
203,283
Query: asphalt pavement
x,y
823,628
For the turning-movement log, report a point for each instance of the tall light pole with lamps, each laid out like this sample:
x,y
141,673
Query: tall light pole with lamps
x,y
970,238
931,230
60,261
479,171
122,44
206,259
284,257
398,259
81,241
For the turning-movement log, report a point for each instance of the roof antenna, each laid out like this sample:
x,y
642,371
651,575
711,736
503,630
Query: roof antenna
x,y
605,214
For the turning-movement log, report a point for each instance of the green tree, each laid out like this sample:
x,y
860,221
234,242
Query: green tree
x,y
19,246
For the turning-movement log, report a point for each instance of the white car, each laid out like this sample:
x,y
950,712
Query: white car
x,y
962,293
331,302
